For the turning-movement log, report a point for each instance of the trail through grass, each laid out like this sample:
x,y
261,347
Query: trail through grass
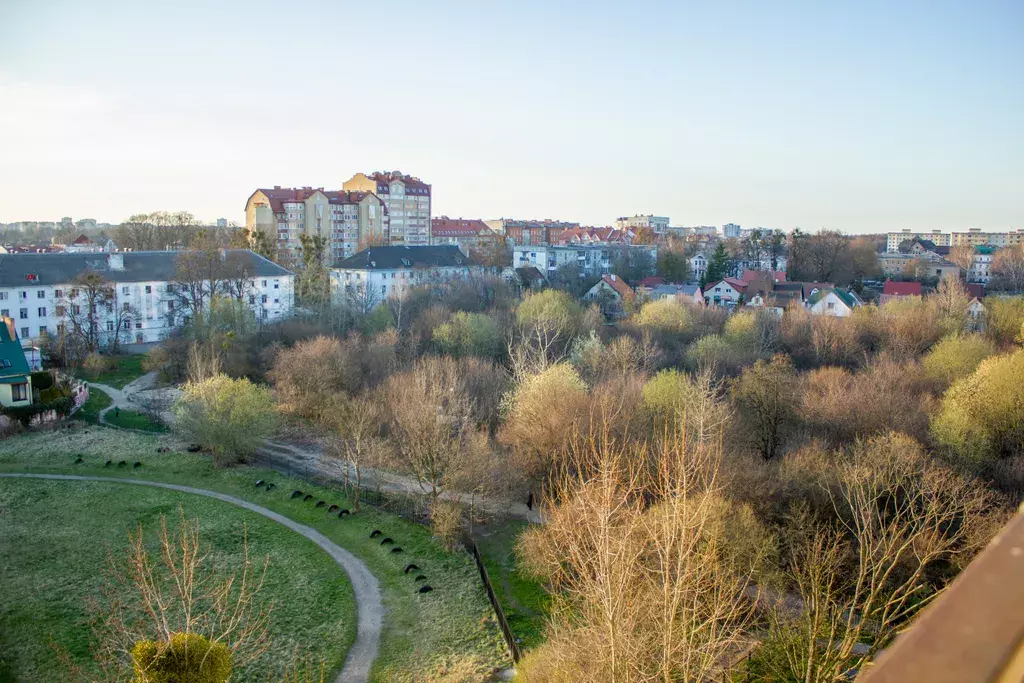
x,y
129,368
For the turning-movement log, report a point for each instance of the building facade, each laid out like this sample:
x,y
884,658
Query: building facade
x,y
659,224
345,219
894,239
143,301
976,238
731,230
407,200
375,274
465,233
592,259
520,232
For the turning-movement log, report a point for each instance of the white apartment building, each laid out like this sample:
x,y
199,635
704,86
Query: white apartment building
x,y
894,239
592,259
698,266
377,273
659,224
981,266
407,200
38,291
731,230
976,238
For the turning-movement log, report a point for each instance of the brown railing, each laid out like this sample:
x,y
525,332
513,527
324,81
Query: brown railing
x,y
499,613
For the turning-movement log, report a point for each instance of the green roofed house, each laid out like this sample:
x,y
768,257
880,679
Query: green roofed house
x,y
834,302
15,377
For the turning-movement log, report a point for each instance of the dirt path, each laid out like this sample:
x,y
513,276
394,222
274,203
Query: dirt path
x,y
308,462
127,398
370,610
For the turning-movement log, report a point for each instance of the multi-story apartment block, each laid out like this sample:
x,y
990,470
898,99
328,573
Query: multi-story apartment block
x,y
465,233
976,238
592,259
731,230
345,218
41,292
518,231
377,273
894,239
407,200
981,266
659,224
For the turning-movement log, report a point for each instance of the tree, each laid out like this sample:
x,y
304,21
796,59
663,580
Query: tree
x,y
1005,316
468,334
863,260
822,257
955,357
776,247
632,265
159,614
951,301
1008,269
674,398
359,422
548,321
312,282
901,517
85,309
254,239
765,396
198,277
982,415
232,417
718,265
338,372
673,265
492,253
963,256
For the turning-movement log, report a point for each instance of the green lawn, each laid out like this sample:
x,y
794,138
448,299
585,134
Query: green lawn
x,y
55,541
451,629
130,419
523,599
129,367
90,412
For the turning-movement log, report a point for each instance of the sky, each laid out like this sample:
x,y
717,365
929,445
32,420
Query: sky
x,y
857,116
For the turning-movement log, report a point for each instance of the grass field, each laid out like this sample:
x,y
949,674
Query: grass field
x,y
90,412
55,541
129,367
130,419
451,630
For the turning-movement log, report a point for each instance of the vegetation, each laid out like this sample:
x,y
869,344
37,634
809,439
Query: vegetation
x,y
90,411
131,419
232,417
113,371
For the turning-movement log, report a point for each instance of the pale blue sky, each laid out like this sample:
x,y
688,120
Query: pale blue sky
x,y
860,116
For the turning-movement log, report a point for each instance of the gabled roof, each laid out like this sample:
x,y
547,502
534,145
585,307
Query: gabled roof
x,y
61,268
738,285
530,274
848,299
394,258
975,290
652,281
458,227
81,239
12,356
751,275
893,288
618,284
688,290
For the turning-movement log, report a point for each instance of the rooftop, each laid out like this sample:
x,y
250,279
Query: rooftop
x,y
394,258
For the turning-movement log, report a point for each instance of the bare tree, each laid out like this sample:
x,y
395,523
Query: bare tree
x,y
1008,269
359,424
84,310
963,256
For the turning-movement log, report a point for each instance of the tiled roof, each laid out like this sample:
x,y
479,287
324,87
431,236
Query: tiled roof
x,y
384,179
458,227
751,275
976,291
652,281
392,258
11,351
618,284
35,270
901,288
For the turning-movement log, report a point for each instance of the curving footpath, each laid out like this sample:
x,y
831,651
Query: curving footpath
x,y
370,610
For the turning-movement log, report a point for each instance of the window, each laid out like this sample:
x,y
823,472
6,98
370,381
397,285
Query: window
x,y
110,326
125,306
41,312
23,314
264,283
3,296
41,294
276,285
149,289
252,298
383,289
24,295
58,293
276,301
76,309
264,299
24,332
138,325
831,305
7,363
6,312
170,288
124,290
170,305
19,392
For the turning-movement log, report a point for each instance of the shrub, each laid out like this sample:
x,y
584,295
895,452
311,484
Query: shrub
x,y
982,415
95,364
42,380
954,357
446,523
551,312
187,658
468,334
1005,318
230,416
665,315
671,396
311,395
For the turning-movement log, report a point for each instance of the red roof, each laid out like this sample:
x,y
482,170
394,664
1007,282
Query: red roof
x,y
976,291
82,239
457,227
652,281
618,284
412,185
738,285
902,288
773,275
585,235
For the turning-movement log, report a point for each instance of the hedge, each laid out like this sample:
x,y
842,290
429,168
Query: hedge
x,y
24,414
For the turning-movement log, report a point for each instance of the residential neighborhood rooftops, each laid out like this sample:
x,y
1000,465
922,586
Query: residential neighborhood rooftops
x,y
33,270
443,226
893,288
846,297
394,258
618,284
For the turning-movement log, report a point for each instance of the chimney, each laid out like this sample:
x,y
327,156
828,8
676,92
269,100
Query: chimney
x,y
12,331
613,277
115,261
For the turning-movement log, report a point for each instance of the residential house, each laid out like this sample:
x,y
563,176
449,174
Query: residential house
x,y
15,376
749,275
897,290
465,233
592,235
612,293
406,201
977,316
591,259
144,302
894,239
833,302
728,292
773,295
698,266
528,278
83,244
657,224
689,293
981,265
532,232
378,273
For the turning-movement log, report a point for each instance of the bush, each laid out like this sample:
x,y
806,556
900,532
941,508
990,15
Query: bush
x,y
982,415
187,658
468,334
955,357
446,523
42,380
665,315
230,416
311,394
96,364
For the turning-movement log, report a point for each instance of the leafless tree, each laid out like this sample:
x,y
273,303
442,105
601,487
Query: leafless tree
x,y
1008,269
963,256
84,310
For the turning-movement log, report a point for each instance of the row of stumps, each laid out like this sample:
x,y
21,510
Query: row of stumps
x,y
386,541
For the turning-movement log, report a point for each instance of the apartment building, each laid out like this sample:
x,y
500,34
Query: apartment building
x,y
407,200
377,273
519,231
659,224
464,233
345,218
976,238
38,291
731,230
592,259
981,266
894,239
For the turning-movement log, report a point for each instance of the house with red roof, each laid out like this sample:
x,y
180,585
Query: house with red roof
x,y
899,290
465,233
611,292
727,292
749,275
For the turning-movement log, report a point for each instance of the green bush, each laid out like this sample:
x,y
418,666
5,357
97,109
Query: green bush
x,y
24,414
42,380
956,356
468,334
187,658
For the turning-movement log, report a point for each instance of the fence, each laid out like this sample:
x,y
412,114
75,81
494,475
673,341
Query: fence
x,y
499,613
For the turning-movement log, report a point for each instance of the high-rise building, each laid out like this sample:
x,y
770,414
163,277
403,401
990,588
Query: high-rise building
x,y
731,230
407,200
346,219
976,238
894,239
656,223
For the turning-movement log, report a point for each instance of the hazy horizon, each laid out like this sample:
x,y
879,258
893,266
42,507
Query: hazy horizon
x,y
866,118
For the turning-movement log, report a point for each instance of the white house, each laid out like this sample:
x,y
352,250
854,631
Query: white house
x,y
593,259
687,293
610,291
38,291
977,316
377,273
834,302
725,292
698,266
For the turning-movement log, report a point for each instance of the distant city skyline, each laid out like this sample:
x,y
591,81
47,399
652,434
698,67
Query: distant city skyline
x,y
871,117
